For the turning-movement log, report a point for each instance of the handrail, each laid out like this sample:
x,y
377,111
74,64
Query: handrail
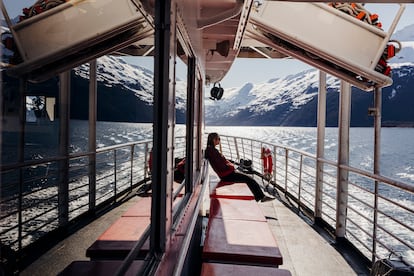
x,y
293,177
72,155
381,178
117,174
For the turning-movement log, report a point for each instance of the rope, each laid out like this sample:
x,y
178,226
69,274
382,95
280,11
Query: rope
x,y
39,7
357,10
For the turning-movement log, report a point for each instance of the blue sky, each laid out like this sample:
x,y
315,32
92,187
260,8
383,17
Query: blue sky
x,y
260,70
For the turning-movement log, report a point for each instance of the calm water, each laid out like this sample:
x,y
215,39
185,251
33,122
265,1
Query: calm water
x,y
397,144
397,154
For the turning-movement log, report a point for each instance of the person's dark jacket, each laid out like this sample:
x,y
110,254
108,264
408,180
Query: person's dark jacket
x,y
218,162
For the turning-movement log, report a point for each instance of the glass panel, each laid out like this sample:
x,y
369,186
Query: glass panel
x,y
180,129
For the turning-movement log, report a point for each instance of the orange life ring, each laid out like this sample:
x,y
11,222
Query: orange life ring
x,y
267,161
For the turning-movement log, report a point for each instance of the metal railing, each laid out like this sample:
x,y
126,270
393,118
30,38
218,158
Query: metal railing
x,y
31,195
370,196
33,203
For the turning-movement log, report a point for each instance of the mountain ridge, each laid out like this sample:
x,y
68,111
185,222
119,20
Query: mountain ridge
x,y
125,94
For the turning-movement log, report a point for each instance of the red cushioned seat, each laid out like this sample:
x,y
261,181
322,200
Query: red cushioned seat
x,y
241,242
235,209
217,269
142,208
119,239
232,190
98,268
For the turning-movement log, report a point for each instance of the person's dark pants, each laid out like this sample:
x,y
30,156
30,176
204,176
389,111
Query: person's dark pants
x,y
244,178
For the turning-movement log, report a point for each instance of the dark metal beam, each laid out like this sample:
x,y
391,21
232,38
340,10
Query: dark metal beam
x,y
160,129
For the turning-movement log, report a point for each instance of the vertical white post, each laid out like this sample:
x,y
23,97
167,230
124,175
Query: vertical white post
x,y
343,159
377,154
320,146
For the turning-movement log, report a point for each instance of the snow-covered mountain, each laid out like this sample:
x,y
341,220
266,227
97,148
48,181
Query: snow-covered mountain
x,y
292,101
125,93
115,72
406,37
279,101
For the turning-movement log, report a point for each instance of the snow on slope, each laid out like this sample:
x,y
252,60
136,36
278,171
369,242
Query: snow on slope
x,y
295,90
115,71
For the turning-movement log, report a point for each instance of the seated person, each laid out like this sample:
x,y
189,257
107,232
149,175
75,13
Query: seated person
x,y
179,172
226,171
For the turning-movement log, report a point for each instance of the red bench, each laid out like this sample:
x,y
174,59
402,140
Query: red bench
x,y
237,230
240,242
216,269
98,268
142,208
116,242
236,209
231,190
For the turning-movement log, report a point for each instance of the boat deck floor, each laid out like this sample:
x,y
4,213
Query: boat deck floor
x,y
73,248
305,252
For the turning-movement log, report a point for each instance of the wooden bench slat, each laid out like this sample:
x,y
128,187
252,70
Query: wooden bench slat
x,y
232,190
142,208
241,242
119,239
218,269
126,229
235,209
98,268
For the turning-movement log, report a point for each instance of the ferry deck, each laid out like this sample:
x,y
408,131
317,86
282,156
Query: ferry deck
x,y
324,206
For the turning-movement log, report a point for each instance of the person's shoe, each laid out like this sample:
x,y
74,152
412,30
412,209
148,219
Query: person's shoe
x,y
267,198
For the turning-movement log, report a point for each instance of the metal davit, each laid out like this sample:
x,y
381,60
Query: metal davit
x,y
325,38
75,32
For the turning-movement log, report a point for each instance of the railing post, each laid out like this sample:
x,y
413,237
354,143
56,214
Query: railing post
x,y
343,159
64,111
274,163
115,165
251,150
132,165
237,149
20,153
92,134
286,168
377,154
146,151
320,146
300,180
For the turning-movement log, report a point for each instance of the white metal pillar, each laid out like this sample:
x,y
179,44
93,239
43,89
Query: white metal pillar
x,y
377,126
343,159
320,146
92,134
377,154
